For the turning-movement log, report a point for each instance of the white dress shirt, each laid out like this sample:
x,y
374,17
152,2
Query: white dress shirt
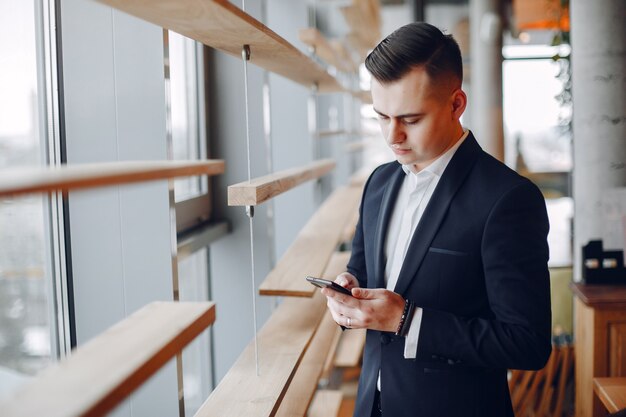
x,y
413,197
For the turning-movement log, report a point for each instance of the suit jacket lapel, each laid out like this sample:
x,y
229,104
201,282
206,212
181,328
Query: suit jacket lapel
x,y
451,180
386,208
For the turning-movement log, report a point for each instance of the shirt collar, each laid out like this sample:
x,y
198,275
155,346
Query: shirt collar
x,y
439,165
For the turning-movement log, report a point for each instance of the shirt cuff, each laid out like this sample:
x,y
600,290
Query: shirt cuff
x,y
410,342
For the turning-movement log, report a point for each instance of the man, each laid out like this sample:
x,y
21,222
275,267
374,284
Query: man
x,y
449,261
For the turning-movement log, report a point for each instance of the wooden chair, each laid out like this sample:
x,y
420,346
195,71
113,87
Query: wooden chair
x,y
542,393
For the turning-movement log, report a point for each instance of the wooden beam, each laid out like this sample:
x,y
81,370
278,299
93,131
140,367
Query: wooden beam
x,y
221,25
282,342
326,403
313,247
19,181
612,393
359,178
304,383
103,372
350,348
262,189
350,229
322,47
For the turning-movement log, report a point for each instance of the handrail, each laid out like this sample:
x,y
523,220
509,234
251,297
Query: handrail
x,y
313,247
103,372
27,180
259,190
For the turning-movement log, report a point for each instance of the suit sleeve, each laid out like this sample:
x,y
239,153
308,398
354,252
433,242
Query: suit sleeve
x,y
515,254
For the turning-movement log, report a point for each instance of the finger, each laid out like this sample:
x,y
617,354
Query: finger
x,y
368,293
341,298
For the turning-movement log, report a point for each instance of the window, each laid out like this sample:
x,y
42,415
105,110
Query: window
x,y
538,142
186,124
193,285
28,314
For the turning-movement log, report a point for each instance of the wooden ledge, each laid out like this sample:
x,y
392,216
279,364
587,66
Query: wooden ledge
x,y
324,49
221,25
103,372
326,403
313,247
262,189
304,383
612,393
282,342
19,181
350,348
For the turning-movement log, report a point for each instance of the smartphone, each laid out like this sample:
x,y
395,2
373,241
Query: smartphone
x,y
324,283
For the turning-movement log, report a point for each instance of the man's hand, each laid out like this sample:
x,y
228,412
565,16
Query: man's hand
x,y
375,309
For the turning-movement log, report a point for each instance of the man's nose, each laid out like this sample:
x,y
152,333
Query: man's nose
x,y
395,133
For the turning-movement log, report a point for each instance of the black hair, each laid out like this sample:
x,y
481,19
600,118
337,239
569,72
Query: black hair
x,y
414,45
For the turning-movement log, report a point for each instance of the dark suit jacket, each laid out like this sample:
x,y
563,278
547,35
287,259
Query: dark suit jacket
x,y
477,265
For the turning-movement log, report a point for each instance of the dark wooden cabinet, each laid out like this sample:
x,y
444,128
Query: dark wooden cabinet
x,y
600,341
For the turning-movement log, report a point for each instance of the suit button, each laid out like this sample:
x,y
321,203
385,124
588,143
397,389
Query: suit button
x,y
385,339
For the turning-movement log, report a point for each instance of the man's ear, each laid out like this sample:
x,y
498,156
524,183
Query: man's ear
x,y
459,103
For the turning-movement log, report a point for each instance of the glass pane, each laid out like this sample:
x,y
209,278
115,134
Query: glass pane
x,y
185,123
536,139
25,275
193,278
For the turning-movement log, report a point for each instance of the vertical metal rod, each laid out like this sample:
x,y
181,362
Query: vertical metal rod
x,y
245,55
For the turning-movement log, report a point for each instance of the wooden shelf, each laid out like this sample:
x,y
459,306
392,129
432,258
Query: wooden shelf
x,y
313,247
304,383
350,348
350,229
324,49
100,374
19,181
331,133
282,342
221,25
262,189
359,178
612,393
364,95
326,403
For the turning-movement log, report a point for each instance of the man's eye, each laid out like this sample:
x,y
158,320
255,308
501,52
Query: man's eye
x,y
411,121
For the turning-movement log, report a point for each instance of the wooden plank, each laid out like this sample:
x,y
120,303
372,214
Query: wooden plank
x,y
304,383
259,190
313,247
612,393
282,342
24,180
329,364
221,25
104,371
322,47
350,348
348,231
326,403
359,178
336,265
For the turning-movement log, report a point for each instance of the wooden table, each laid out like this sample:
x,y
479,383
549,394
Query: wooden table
x,y
612,393
600,334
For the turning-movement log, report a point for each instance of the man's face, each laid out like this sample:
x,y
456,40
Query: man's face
x,y
419,120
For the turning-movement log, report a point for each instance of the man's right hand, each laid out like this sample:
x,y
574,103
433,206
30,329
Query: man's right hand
x,y
347,280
